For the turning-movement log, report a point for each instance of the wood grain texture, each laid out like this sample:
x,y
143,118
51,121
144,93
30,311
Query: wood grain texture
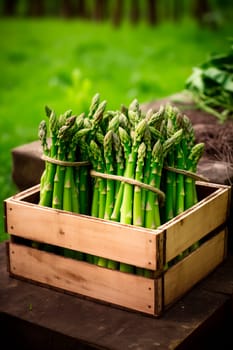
x,y
130,291
196,222
197,265
124,243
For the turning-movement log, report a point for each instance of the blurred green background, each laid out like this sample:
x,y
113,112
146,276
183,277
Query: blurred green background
x,y
60,53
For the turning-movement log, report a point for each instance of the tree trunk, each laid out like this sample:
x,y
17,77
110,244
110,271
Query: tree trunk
x,y
152,12
134,11
36,8
66,9
9,7
117,13
178,9
200,9
81,9
100,10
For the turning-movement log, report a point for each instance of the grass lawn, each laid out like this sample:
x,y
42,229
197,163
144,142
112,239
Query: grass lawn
x,y
62,64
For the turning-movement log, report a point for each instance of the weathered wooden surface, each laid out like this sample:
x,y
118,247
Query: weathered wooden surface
x,y
37,317
182,277
27,165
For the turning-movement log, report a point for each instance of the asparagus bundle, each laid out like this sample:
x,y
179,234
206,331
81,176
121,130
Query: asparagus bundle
x,y
181,166
58,182
61,183
141,166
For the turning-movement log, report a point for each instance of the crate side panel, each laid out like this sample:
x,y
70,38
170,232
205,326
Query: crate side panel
x,y
185,274
196,222
123,289
108,239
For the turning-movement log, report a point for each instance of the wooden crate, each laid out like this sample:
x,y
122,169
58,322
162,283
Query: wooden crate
x,y
205,222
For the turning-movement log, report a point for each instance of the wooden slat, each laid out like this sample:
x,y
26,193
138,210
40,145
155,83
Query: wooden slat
x,y
185,274
123,289
190,226
124,243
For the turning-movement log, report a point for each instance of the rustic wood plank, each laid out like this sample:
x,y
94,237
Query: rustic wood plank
x,y
192,225
130,291
27,164
185,274
124,243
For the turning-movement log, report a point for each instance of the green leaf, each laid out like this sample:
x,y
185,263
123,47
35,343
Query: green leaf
x,y
222,61
195,81
211,84
228,84
215,74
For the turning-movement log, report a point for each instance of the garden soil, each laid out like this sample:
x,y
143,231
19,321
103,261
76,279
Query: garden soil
x,y
216,163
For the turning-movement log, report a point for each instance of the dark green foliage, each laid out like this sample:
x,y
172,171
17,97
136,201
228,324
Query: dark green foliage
x,y
212,85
